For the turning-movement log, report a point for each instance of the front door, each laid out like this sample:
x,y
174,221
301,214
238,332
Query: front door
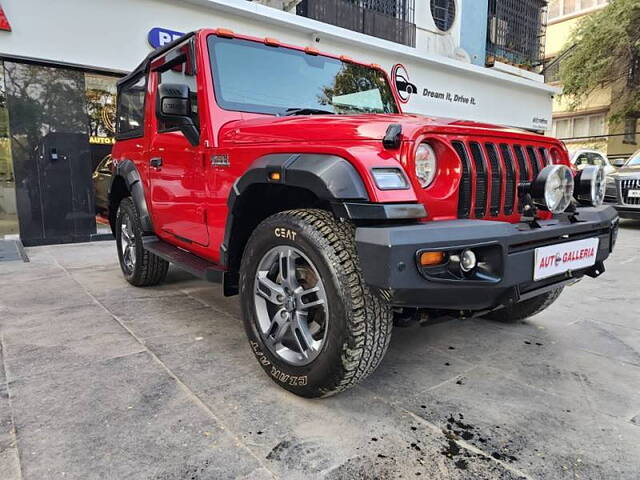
x,y
177,168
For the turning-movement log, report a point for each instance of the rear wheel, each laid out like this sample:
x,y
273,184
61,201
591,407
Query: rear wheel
x,y
312,322
139,266
525,309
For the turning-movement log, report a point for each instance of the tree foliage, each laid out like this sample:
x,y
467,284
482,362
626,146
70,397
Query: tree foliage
x,y
605,52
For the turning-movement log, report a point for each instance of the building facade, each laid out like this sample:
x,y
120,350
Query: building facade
x,y
58,71
587,126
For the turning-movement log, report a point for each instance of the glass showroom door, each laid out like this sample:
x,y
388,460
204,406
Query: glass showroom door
x,y
8,210
50,149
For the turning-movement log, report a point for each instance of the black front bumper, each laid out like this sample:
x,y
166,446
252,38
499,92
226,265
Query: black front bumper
x,y
628,211
388,258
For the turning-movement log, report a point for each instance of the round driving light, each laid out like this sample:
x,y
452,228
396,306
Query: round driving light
x,y
426,164
468,260
591,186
553,188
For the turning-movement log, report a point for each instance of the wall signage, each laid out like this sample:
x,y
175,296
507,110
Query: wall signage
x,y
4,21
404,88
159,37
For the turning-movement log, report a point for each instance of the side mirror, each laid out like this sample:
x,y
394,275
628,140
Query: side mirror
x,y
619,162
173,106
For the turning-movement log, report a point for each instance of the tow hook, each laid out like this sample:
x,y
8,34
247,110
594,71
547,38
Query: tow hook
x,y
596,270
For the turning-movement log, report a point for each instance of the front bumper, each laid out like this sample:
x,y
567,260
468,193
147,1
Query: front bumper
x,y
628,211
388,258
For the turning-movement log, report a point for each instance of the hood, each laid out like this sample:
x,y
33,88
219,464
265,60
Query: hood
x,y
336,128
630,171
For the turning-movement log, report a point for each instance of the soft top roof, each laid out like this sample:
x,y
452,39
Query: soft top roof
x,y
144,65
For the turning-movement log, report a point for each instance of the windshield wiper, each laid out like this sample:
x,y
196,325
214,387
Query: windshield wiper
x,y
306,111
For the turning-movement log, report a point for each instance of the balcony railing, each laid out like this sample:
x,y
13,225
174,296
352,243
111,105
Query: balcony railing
x,y
516,32
388,19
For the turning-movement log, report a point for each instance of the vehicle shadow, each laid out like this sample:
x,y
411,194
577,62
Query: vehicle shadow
x,y
629,224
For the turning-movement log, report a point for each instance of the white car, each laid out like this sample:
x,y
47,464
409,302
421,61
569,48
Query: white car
x,y
583,158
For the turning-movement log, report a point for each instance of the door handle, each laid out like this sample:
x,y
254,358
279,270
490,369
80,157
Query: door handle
x,y
156,163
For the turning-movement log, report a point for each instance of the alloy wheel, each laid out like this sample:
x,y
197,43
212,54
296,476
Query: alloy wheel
x,y
127,243
291,305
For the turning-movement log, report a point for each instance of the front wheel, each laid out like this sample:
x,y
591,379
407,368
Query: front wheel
x,y
525,309
312,322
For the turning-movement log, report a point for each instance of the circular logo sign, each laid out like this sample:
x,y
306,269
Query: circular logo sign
x,y
404,87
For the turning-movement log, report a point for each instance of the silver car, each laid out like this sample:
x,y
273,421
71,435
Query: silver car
x,y
623,188
585,157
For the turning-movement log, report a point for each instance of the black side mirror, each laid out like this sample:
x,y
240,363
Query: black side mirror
x,y
619,162
174,107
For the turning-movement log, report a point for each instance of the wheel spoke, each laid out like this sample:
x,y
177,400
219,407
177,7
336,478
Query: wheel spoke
x,y
124,233
268,289
132,254
302,335
305,305
288,269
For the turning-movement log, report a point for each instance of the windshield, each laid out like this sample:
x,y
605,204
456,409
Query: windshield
x,y
634,160
253,77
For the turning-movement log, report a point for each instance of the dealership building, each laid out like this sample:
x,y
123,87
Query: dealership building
x,y
60,61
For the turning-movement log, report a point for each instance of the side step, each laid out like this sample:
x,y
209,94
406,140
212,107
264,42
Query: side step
x,y
186,261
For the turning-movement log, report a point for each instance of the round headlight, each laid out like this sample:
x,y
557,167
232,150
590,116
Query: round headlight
x,y
553,188
426,164
591,186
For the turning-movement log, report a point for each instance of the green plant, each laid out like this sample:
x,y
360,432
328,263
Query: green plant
x,y
606,53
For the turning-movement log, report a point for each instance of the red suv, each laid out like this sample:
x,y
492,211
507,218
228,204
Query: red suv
x,y
292,177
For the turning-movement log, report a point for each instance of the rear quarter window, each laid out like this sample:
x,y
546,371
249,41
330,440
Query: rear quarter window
x,y
130,108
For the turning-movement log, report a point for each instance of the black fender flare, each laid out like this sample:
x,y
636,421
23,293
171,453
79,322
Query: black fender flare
x,y
329,177
127,170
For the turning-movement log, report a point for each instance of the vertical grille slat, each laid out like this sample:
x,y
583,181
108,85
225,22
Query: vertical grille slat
x,y
533,160
510,189
544,154
481,180
496,179
523,169
464,202
525,173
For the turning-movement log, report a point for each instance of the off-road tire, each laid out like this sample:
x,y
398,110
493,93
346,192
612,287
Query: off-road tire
x,y
149,269
359,320
525,309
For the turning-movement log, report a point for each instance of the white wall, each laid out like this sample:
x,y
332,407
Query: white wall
x,y
112,34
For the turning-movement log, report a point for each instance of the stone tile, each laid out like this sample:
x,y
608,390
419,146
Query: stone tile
x,y
72,337
546,435
353,435
138,423
595,381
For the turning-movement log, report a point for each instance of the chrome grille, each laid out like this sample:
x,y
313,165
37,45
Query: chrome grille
x,y
625,187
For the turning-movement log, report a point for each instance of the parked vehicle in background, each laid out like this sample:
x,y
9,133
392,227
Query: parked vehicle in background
x,y
583,158
102,177
623,188
294,178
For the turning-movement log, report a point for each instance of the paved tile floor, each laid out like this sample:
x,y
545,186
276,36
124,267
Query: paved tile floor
x,y
102,380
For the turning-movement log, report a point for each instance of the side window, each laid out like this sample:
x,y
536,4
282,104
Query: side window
x,y
179,67
597,160
130,108
582,161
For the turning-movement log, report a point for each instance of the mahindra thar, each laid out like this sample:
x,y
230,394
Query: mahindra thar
x,y
293,178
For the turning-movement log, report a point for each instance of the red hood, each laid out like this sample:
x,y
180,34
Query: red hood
x,y
328,128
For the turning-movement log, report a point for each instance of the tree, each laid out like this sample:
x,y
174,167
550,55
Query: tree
x,y
605,52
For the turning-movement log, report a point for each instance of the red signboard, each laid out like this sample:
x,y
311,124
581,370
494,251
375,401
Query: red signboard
x,y
4,22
